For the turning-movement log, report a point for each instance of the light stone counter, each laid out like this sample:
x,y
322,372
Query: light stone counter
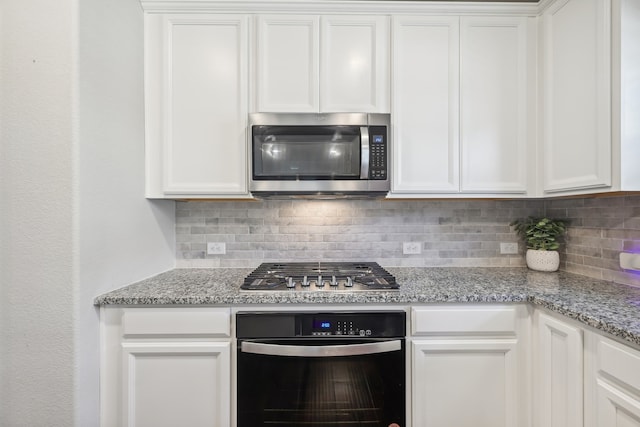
x,y
608,307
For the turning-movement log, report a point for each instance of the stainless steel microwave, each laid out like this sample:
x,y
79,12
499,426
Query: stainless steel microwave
x,y
319,155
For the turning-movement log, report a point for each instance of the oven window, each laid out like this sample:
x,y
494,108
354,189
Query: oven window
x,y
306,152
364,390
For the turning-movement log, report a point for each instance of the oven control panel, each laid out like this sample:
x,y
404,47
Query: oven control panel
x,y
326,327
378,324
365,325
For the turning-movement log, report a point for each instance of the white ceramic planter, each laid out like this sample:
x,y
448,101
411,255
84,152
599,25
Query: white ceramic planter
x,y
542,260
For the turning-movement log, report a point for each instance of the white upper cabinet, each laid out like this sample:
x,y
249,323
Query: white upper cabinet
x,y
288,69
626,95
425,104
591,93
327,63
196,105
502,100
463,101
577,95
354,58
494,109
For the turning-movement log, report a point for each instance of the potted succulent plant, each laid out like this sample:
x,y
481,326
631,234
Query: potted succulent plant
x,y
541,237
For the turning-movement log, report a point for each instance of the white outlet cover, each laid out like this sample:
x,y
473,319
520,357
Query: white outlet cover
x,y
411,248
629,261
508,248
216,248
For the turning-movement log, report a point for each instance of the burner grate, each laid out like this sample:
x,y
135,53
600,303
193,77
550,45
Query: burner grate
x,y
366,275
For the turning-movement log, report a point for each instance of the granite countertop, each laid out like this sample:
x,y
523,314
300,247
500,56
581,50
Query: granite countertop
x,y
606,306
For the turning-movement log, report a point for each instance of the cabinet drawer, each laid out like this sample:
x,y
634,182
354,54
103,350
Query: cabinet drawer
x,y
201,321
474,320
619,362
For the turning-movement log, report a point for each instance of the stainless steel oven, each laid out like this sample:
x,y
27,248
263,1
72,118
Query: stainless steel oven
x,y
321,369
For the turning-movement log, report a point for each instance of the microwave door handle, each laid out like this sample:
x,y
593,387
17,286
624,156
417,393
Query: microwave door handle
x,y
320,351
364,152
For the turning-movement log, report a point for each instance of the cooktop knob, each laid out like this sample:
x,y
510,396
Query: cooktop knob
x,y
349,283
305,281
320,283
334,282
290,283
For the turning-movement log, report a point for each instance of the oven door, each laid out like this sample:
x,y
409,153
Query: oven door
x,y
321,382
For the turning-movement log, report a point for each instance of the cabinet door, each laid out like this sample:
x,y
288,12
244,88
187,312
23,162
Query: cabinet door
x,y
558,382
196,101
577,95
465,382
616,408
425,104
614,375
354,64
176,384
287,70
493,97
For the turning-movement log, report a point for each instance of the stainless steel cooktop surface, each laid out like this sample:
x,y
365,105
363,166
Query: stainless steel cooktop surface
x,y
320,276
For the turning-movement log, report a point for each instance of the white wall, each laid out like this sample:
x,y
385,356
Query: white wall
x,y
73,219
36,283
122,236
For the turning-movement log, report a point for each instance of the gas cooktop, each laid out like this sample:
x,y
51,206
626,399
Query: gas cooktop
x,y
320,276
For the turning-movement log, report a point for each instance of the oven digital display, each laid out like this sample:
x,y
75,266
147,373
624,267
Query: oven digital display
x,y
321,324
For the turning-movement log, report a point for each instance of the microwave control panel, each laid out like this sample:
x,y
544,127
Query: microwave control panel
x,y
378,152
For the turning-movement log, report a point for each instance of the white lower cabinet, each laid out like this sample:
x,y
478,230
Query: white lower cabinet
x,y
558,372
171,384
469,366
613,383
166,367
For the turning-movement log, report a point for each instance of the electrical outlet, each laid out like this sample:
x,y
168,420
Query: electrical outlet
x,y
216,248
629,261
507,248
412,248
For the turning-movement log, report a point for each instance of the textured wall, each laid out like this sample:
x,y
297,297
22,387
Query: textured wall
x,y
452,233
599,229
122,237
74,222
36,238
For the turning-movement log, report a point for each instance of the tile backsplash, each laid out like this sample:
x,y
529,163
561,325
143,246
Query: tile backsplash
x,y
599,229
450,232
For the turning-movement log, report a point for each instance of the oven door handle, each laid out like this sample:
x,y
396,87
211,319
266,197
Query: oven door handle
x,y
320,351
